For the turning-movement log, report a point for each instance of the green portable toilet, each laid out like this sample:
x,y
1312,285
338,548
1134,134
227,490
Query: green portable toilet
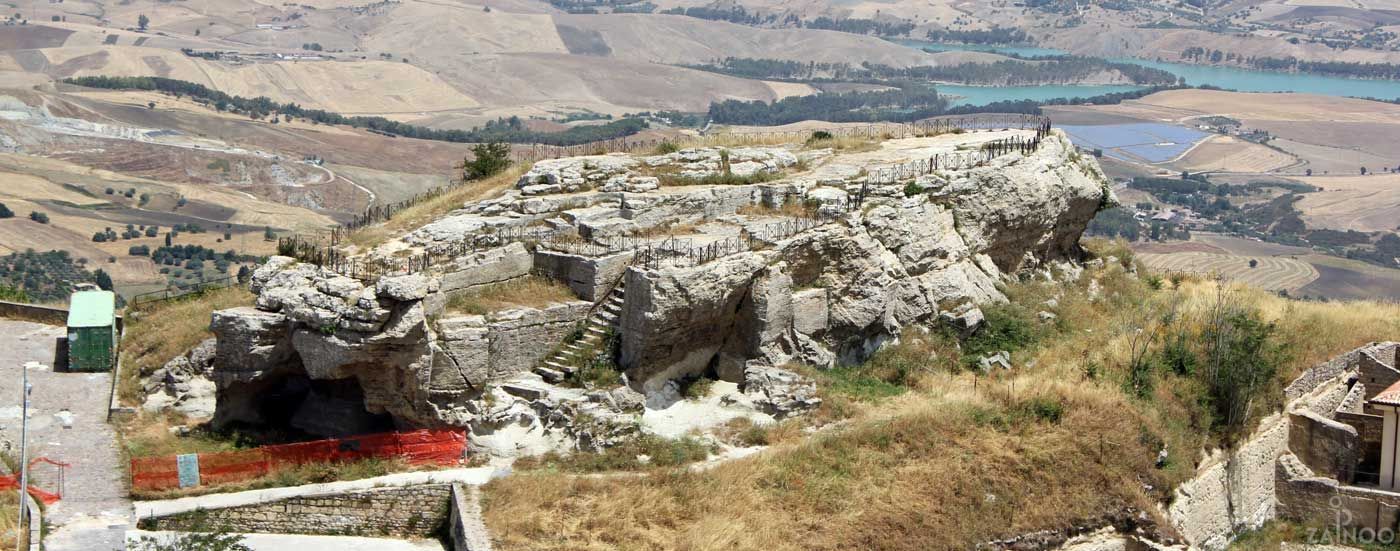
x,y
92,330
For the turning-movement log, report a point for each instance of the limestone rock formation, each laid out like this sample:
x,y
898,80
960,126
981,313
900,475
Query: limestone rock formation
x,y
183,384
731,286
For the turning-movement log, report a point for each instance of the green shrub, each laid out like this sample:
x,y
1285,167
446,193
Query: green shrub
x,y
488,159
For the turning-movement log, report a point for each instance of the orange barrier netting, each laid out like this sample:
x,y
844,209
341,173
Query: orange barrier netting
x,y
11,482
420,447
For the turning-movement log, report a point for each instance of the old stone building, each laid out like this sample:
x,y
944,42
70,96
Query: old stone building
x,y
1341,460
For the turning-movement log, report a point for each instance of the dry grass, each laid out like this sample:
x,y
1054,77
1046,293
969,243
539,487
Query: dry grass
x,y
529,291
417,215
9,515
931,456
847,144
792,209
165,330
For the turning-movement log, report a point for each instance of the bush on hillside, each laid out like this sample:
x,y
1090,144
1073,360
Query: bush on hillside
x,y
488,159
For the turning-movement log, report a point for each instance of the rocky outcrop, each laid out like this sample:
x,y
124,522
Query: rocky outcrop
x,y
820,292
899,262
183,384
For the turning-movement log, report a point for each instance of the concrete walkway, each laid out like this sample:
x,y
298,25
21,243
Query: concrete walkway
x,y
285,542
94,510
473,476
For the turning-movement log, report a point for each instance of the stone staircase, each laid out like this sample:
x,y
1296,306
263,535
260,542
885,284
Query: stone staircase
x,y
603,318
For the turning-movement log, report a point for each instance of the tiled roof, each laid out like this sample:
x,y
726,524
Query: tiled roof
x,y
1390,396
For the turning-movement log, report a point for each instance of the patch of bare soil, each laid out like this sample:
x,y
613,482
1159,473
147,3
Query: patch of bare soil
x,y
31,37
1343,284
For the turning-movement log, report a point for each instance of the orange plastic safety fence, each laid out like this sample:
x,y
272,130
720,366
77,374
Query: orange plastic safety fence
x,y
11,482
420,447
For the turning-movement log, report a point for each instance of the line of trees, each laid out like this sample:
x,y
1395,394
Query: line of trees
x,y
1389,71
1048,70
906,104
912,102
994,35
511,130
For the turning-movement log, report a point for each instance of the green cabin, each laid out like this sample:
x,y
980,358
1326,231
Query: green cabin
x,y
92,331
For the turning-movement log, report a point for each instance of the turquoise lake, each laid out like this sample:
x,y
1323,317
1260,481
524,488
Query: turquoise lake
x,y
1243,80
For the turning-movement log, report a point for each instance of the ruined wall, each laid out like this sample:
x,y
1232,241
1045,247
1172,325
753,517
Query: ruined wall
x,y
1375,374
588,277
1305,497
485,268
465,529
475,349
416,511
1324,445
1231,492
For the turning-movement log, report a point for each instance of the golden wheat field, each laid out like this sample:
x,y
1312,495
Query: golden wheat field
x,y
1271,272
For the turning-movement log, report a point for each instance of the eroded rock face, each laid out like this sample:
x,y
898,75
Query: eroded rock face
x,y
832,294
836,293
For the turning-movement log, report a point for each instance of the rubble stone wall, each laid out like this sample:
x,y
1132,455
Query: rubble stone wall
x,y
1304,497
1326,446
416,511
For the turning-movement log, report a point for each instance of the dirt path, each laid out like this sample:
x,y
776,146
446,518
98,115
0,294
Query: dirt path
x,y
94,511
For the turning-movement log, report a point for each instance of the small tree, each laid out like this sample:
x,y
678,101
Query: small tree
x,y
1253,263
142,22
487,160
104,281
5,211
39,217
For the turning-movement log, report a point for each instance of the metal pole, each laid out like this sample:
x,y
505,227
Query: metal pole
x,y
23,458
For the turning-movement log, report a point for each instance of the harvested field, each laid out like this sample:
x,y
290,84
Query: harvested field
x,y
31,37
1342,282
1271,273
788,89
1332,159
1362,203
349,87
1230,154
1247,247
1176,247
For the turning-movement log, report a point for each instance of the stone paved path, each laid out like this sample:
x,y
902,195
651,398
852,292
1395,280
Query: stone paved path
x,y
95,511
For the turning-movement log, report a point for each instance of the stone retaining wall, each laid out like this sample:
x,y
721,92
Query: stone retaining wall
x,y
412,511
588,277
466,529
1305,497
483,348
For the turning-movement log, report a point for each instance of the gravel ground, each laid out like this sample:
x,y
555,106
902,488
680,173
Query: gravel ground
x,y
95,511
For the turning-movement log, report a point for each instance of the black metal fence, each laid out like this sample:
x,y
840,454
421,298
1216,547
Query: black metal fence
x,y
959,160
173,292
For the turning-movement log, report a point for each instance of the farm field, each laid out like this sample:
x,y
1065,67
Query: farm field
x,y
1272,272
1231,154
1363,203
1299,270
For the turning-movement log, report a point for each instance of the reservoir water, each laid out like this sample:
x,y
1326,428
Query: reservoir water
x,y
1244,80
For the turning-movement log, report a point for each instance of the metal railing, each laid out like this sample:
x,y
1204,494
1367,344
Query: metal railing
x,y
174,292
